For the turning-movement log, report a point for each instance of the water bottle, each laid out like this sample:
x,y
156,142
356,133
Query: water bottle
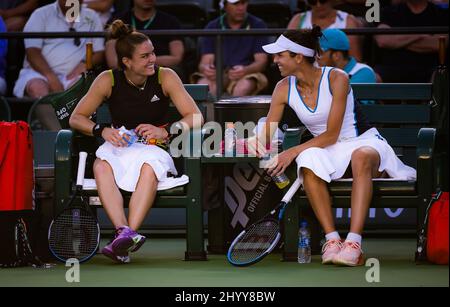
x,y
304,244
129,136
282,180
230,140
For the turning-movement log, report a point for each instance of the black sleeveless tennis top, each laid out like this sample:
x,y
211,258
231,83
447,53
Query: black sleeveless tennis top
x,y
130,106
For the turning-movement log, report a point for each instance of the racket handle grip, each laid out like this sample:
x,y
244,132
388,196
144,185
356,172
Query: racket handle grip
x,y
81,168
292,190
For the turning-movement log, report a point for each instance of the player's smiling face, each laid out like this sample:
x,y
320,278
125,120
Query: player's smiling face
x,y
285,63
144,58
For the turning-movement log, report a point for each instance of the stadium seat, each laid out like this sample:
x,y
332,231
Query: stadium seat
x,y
122,5
192,14
276,13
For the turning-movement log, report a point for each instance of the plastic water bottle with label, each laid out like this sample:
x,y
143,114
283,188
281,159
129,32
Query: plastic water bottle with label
x,y
304,243
129,136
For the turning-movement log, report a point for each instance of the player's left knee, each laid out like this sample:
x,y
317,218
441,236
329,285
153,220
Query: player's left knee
x,y
363,160
244,87
148,173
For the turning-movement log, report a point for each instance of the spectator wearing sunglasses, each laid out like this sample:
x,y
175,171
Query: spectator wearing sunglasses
x,y
54,64
324,15
16,12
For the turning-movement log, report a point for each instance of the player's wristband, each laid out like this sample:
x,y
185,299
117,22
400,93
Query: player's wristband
x,y
98,129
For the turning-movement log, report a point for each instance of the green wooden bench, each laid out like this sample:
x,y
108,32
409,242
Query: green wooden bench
x,y
69,143
408,129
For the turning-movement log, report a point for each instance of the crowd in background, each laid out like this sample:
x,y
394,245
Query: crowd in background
x,y
36,67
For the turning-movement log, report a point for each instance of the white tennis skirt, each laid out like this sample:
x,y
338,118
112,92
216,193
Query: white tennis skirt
x,y
330,163
127,162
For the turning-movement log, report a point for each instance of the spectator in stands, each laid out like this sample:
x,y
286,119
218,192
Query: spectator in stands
x,y
409,58
243,58
103,7
16,12
3,50
140,168
144,16
52,65
324,15
335,46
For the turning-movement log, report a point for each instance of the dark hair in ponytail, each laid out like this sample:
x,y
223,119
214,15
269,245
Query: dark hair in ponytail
x,y
127,40
308,38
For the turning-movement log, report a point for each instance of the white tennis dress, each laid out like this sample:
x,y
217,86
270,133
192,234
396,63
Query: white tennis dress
x,y
331,162
127,162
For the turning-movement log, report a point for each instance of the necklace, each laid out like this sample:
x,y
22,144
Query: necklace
x,y
141,88
304,93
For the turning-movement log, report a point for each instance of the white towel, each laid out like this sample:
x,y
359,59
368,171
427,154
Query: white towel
x,y
127,162
170,183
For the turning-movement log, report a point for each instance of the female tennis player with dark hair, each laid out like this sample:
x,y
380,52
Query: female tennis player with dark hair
x,y
323,100
138,96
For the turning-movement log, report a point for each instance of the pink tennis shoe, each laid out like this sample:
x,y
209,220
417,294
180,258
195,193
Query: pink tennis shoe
x,y
351,254
330,249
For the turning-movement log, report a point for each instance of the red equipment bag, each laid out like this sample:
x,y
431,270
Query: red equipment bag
x,y
16,167
437,232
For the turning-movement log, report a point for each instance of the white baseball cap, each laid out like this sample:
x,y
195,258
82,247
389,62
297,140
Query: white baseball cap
x,y
222,2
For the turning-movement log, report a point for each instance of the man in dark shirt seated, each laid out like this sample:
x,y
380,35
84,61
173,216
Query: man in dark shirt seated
x,y
144,16
243,57
409,58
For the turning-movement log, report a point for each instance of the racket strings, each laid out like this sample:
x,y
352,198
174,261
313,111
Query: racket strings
x,y
255,242
74,234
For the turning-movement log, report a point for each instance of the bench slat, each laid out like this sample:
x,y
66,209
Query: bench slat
x,y
397,114
400,137
397,91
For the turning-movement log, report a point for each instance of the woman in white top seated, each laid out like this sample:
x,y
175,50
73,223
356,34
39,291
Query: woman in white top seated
x,y
342,145
324,15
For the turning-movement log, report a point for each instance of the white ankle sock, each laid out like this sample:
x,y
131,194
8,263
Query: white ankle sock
x,y
332,236
354,237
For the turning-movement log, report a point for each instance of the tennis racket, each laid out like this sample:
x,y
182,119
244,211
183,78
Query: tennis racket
x,y
259,239
75,232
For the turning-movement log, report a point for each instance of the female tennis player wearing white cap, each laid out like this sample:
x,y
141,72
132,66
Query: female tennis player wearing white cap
x,y
323,100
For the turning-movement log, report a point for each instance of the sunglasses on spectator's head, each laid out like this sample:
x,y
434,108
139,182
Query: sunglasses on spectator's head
x,y
76,40
314,2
